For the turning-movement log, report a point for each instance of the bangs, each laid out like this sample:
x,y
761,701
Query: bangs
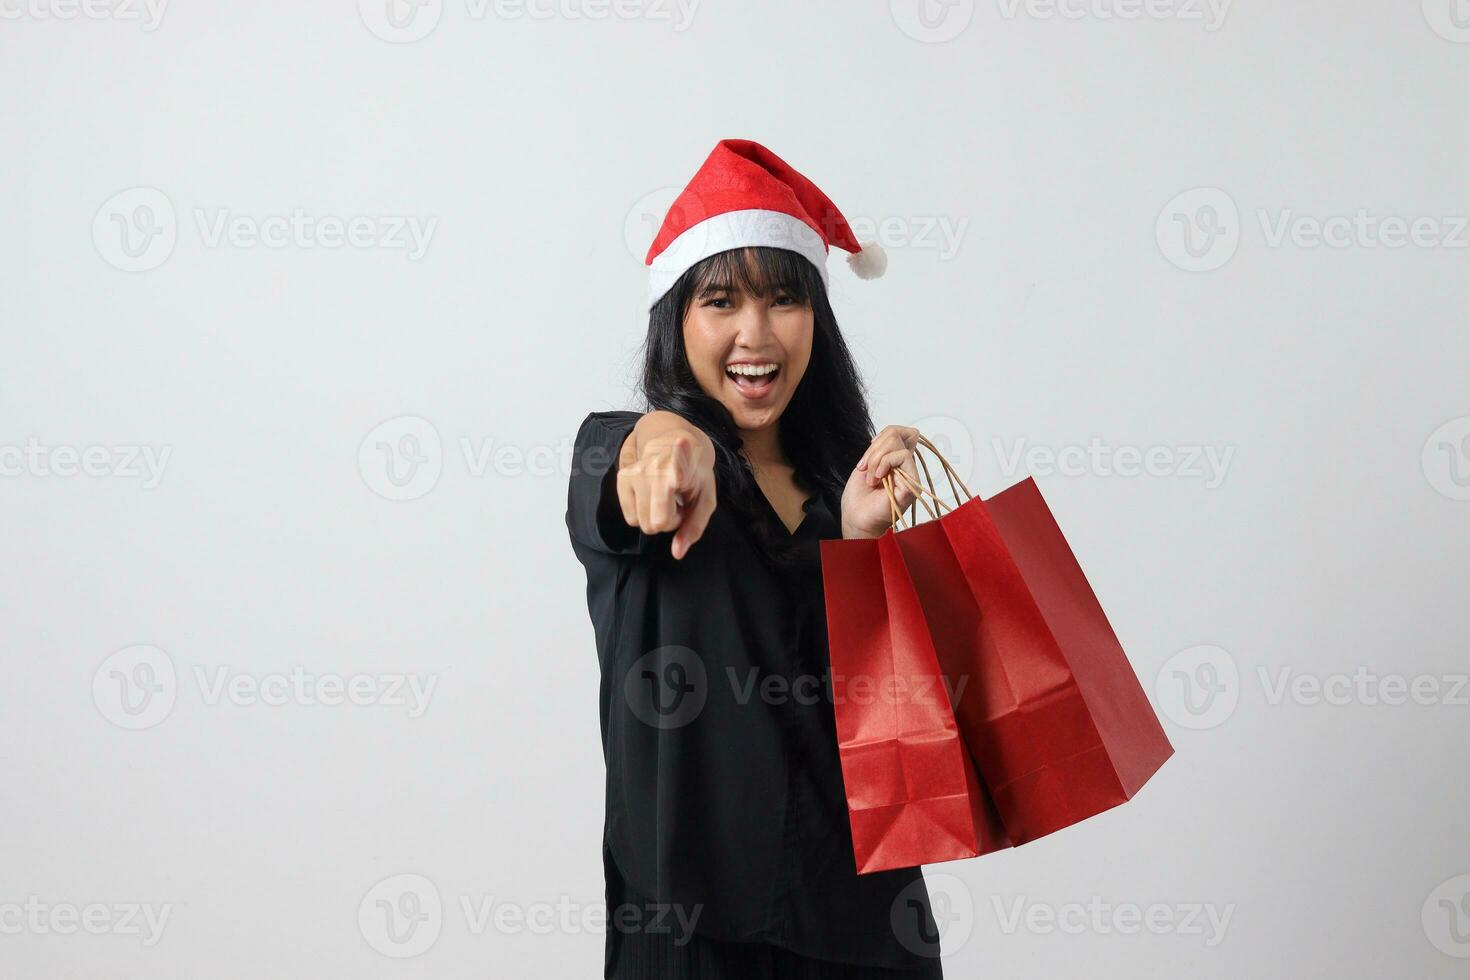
x,y
761,271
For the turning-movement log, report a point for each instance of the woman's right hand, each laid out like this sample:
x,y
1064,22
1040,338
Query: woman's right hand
x,y
666,479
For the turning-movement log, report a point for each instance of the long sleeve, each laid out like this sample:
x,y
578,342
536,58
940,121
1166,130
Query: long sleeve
x,y
724,794
594,518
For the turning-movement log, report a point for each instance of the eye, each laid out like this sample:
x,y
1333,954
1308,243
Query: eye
x,y
785,299
718,302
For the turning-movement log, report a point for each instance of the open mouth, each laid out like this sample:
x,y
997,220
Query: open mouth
x,y
753,380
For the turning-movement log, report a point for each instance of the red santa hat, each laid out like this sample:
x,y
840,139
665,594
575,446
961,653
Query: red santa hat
x,y
745,195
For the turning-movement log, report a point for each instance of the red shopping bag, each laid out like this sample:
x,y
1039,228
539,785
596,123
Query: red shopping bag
x,y
1047,702
913,796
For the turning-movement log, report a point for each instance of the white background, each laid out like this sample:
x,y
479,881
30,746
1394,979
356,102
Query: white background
x,y
1061,308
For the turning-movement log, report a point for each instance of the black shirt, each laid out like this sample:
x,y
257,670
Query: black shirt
x,y
724,788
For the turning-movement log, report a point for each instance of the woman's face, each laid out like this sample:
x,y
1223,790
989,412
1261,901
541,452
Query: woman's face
x,y
749,352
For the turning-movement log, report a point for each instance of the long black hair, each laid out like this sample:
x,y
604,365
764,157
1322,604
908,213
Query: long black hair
x,y
825,428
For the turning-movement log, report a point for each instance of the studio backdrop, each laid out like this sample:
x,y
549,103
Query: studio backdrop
x,y
302,305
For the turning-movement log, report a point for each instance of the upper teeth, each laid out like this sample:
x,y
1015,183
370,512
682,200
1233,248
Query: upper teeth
x,y
752,370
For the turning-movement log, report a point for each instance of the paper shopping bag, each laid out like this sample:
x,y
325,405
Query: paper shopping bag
x,y
913,796
1045,697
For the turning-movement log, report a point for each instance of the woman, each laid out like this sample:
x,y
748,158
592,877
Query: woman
x,y
727,849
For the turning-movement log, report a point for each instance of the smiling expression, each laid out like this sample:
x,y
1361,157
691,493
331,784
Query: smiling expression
x,y
749,352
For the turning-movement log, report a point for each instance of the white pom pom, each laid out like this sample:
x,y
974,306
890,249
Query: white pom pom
x,y
870,263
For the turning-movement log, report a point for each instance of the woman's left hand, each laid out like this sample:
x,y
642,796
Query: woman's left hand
x,y
865,510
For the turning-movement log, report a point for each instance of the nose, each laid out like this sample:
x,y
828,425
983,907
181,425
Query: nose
x,y
753,325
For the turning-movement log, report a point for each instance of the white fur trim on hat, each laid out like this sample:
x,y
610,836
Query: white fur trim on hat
x,y
733,229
